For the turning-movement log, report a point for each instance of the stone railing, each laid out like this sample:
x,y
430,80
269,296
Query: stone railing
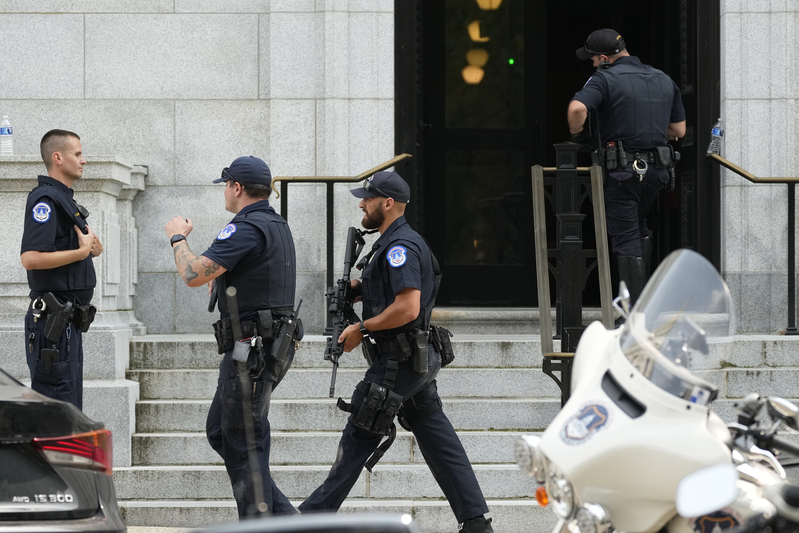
x,y
107,190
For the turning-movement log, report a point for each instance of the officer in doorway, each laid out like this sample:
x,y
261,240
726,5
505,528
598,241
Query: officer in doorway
x,y
255,254
398,287
57,250
638,109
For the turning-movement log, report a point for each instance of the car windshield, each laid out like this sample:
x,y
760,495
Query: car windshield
x,y
5,379
683,306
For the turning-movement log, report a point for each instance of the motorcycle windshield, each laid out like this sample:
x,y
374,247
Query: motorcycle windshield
x,y
684,305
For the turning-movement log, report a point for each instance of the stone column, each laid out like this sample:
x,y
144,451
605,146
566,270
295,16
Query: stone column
x,y
107,190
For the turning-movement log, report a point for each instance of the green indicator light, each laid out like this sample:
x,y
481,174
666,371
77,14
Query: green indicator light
x,y
510,61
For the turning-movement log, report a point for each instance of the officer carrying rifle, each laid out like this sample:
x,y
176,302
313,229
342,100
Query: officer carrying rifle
x,y
257,331
398,286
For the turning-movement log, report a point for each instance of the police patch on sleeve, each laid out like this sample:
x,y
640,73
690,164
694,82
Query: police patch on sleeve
x,y
397,256
41,212
226,232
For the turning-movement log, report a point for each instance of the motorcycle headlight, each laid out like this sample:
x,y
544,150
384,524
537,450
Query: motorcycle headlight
x,y
561,494
528,456
592,518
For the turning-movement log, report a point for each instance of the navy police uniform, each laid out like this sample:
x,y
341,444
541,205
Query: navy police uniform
x,y
257,250
401,259
50,214
635,104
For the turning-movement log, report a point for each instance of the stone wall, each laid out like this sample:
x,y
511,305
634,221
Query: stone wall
x,y
759,92
183,87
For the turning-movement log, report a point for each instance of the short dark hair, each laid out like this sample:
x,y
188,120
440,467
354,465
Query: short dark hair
x,y
256,190
53,141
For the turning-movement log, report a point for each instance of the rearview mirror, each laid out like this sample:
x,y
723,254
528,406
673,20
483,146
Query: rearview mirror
x,y
622,301
784,411
706,490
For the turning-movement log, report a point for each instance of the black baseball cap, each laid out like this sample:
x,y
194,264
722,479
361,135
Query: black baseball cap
x,y
601,42
385,184
247,169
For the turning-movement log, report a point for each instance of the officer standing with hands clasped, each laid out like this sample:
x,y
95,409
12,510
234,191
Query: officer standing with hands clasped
x,y
57,250
639,109
398,287
254,254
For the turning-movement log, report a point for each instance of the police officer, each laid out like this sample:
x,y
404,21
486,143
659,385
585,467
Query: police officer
x,y
57,250
254,253
639,108
397,288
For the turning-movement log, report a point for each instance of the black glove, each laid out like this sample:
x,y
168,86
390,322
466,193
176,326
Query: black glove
x,y
581,137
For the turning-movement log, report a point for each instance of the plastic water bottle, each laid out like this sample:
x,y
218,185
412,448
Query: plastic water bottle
x,y
716,136
6,137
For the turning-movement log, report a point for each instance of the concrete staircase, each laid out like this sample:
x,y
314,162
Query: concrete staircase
x,y
493,391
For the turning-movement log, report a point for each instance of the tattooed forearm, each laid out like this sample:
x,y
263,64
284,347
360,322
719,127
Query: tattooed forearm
x,y
210,266
183,261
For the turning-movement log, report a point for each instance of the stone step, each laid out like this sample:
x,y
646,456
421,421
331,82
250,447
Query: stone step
x,y
308,448
315,383
384,482
498,320
199,351
170,416
432,516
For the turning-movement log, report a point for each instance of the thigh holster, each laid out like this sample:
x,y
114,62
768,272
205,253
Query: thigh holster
x,y
409,415
377,411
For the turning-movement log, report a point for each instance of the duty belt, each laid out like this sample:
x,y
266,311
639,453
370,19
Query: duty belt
x,y
60,314
649,157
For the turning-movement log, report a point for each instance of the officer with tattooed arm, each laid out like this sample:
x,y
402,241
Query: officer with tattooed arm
x,y
57,250
254,254
398,287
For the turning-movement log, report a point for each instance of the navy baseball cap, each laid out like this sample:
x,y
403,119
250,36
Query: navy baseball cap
x,y
247,169
601,42
385,184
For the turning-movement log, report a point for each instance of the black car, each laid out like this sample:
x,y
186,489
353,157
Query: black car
x,y
55,466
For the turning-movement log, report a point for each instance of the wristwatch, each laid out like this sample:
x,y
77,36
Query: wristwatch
x,y
176,238
362,328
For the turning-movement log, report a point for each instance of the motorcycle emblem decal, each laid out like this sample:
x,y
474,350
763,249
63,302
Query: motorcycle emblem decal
x,y
584,424
397,256
41,212
226,232
714,522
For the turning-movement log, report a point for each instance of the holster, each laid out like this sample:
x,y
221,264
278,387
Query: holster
x,y
58,316
377,411
666,157
287,331
441,340
419,343
369,350
83,316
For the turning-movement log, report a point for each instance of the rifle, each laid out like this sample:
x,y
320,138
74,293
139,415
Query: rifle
x,y
341,299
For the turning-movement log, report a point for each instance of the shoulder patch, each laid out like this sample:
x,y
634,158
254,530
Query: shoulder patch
x,y
397,256
226,232
41,212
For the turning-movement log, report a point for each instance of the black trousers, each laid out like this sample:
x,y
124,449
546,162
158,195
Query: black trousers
x,y
440,446
64,381
627,202
225,429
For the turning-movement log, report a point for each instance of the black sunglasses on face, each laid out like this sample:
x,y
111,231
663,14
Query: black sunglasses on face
x,y
371,188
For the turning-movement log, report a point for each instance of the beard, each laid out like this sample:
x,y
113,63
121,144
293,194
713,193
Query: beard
x,y
374,219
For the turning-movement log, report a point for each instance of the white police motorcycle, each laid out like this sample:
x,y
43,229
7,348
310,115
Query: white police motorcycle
x,y
637,425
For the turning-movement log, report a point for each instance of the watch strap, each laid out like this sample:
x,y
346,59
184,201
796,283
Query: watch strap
x,y
362,328
176,239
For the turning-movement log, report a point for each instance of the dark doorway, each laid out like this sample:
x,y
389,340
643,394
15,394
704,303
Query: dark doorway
x,y
474,143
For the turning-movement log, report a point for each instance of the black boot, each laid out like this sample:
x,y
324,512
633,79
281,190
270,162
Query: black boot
x,y
478,524
631,271
646,246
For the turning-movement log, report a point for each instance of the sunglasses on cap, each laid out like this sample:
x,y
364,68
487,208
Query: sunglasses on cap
x,y
371,188
226,175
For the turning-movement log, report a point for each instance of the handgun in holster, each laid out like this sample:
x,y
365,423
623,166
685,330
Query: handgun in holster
x,y
58,316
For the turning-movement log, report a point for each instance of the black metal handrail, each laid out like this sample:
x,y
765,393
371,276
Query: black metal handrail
x,y
330,181
791,182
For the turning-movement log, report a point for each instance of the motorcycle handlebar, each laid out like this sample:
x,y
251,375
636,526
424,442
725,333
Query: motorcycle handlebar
x,y
773,441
